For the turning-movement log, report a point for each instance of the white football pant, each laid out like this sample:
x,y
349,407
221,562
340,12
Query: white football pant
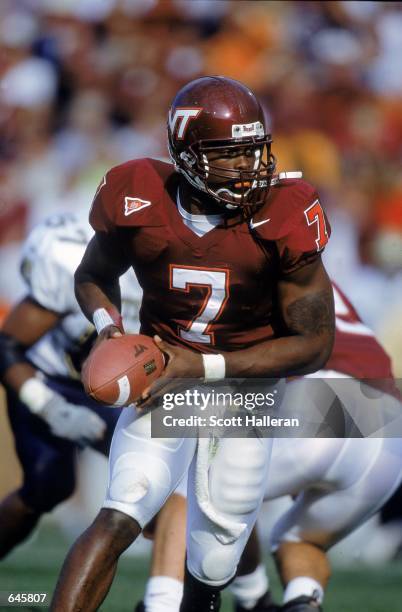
x,y
226,484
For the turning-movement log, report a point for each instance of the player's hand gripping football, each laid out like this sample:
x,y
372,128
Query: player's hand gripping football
x,y
110,331
181,363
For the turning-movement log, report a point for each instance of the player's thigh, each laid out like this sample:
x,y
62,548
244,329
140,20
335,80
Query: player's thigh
x,y
297,463
223,504
144,471
323,516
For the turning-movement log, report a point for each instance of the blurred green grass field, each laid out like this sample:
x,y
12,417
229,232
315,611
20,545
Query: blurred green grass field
x,y
35,566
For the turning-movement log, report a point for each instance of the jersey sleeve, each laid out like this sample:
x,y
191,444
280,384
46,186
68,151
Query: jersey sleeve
x,y
101,215
120,195
306,238
47,267
294,221
130,195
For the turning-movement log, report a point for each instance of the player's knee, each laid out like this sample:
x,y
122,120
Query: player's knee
x,y
238,482
284,531
218,566
321,540
215,566
139,483
209,560
129,486
47,484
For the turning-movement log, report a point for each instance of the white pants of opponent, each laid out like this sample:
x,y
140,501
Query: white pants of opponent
x,y
337,483
226,484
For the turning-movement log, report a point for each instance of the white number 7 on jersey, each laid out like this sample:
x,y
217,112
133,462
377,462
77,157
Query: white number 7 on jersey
x,y
216,281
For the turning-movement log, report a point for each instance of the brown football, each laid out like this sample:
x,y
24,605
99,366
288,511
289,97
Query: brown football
x,y
119,369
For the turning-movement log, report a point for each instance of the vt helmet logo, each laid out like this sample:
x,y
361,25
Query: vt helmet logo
x,y
178,122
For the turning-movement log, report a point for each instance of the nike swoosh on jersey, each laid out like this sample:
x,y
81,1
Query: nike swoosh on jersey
x,y
254,225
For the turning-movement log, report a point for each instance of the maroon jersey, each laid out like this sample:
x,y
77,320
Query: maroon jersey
x,y
356,351
215,292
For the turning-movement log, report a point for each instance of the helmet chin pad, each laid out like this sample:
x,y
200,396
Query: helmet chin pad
x,y
231,199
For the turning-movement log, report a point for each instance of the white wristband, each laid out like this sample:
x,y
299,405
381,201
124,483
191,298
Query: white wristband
x,y
214,367
101,319
35,394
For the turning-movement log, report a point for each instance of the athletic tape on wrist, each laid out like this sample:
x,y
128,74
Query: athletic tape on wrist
x,y
35,394
214,367
102,318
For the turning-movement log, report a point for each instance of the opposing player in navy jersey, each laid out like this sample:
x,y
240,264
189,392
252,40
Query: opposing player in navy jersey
x,y
43,342
229,260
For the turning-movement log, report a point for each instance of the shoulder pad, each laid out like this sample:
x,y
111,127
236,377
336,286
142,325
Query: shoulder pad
x,y
293,218
285,206
130,194
50,257
65,226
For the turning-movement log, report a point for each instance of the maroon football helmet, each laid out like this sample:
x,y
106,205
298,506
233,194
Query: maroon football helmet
x,y
213,118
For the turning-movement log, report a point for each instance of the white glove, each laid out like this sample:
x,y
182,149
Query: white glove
x,y
76,423
73,422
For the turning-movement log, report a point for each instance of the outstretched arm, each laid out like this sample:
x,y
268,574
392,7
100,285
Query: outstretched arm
x,y
26,324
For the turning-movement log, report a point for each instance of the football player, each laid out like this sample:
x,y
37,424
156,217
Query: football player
x,y
43,342
336,484
229,260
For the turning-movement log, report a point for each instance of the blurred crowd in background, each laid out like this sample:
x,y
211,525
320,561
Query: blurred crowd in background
x,y
86,84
